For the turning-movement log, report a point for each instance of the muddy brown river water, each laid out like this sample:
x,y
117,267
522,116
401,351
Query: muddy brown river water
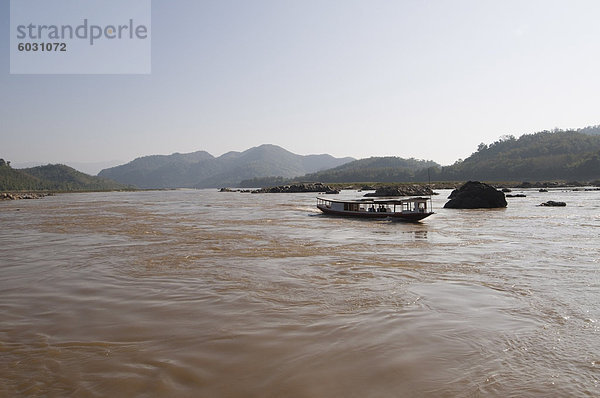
x,y
206,294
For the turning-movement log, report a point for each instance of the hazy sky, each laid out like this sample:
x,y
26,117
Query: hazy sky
x,y
424,79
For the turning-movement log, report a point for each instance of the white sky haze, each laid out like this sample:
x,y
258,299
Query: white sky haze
x,y
423,79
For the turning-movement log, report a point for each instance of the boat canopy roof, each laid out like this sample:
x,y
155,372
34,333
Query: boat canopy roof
x,y
374,201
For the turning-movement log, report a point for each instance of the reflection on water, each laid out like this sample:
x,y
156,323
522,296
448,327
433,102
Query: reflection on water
x,y
200,293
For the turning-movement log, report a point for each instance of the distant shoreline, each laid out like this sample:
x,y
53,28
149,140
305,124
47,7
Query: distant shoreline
x,y
373,186
365,186
18,195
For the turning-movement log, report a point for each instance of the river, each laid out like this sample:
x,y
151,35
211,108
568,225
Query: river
x,y
196,293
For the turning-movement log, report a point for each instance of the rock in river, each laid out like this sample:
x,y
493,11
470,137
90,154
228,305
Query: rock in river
x,y
475,195
552,203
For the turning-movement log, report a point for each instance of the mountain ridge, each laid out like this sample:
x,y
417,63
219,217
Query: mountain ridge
x,y
566,155
52,177
202,170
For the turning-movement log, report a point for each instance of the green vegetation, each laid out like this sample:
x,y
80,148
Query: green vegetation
x,y
16,180
547,155
52,178
544,156
380,169
374,169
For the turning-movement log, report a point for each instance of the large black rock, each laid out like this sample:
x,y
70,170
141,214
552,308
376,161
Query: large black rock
x,y
475,195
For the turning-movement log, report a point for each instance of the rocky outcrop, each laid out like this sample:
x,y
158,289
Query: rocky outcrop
x,y
296,188
235,190
16,196
476,195
552,203
292,188
401,190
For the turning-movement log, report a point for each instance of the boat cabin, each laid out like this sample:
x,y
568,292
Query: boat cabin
x,y
412,208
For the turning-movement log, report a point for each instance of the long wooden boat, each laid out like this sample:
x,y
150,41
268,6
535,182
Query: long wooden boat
x,y
412,209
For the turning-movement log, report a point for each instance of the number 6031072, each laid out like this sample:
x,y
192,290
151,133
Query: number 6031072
x,y
42,47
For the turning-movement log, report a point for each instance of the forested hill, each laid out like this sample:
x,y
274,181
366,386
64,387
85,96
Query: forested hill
x,y
547,155
380,169
544,156
55,177
373,169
